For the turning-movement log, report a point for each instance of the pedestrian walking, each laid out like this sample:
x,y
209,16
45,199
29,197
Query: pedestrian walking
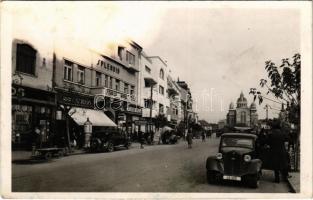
x,y
189,138
152,137
203,136
36,137
141,139
279,155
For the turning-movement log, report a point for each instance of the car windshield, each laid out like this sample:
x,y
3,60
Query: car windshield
x,y
237,142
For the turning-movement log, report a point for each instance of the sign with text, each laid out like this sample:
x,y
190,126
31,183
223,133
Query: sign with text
x,y
74,99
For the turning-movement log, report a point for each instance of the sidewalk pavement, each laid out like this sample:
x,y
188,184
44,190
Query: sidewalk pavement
x,y
25,155
294,182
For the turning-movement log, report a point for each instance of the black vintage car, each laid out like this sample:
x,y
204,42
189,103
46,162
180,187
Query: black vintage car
x,y
237,160
108,140
169,137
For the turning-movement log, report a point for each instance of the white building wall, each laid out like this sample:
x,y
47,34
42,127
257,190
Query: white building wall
x,y
160,64
145,92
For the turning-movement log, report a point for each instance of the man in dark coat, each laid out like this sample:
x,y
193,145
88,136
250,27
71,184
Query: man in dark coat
x,y
141,139
279,155
189,138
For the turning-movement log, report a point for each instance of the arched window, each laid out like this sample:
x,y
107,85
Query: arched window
x,y
243,117
161,74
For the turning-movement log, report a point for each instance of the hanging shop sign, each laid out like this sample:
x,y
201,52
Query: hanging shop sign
x,y
142,122
75,99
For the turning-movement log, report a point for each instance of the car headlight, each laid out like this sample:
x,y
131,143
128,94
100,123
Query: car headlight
x,y
219,156
247,158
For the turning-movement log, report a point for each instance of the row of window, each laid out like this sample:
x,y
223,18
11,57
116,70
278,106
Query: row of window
x,y
26,58
108,82
108,66
147,104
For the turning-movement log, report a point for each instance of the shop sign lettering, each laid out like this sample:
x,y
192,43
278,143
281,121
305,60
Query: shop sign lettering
x,y
18,92
77,101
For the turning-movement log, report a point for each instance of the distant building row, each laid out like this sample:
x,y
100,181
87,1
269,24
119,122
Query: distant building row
x,y
135,89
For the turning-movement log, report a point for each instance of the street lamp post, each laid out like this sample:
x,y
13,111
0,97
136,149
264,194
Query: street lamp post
x,y
151,105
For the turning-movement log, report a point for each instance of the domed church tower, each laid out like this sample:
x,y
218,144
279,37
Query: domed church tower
x,y
242,101
231,116
242,115
242,111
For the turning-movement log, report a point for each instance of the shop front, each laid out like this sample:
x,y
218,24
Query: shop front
x,y
77,109
33,116
126,115
68,131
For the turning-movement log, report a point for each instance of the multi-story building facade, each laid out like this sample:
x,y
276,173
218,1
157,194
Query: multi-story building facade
x,y
175,102
58,88
33,101
100,81
155,96
148,79
186,102
120,83
163,101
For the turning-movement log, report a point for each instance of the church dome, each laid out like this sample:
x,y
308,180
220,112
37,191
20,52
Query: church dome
x,y
241,101
231,106
253,106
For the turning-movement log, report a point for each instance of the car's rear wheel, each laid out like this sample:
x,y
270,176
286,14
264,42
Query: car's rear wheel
x,y
110,147
60,154
65,151
254,180
127,145
212,177
95,146
48,155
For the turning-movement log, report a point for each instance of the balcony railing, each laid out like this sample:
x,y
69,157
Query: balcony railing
x,y
114,94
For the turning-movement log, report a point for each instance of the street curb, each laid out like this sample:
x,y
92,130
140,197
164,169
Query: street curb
x,y
291,188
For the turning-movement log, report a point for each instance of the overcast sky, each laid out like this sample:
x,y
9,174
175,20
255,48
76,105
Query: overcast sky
x,y
219,52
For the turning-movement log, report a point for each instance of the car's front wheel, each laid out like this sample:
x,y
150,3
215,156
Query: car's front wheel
x,y
212,177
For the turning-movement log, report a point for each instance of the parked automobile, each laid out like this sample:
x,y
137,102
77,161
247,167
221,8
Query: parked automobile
x,y
108,140
237,160
169,137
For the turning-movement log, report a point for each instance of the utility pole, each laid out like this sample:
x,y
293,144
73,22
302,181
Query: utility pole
x,y
66,110
151,104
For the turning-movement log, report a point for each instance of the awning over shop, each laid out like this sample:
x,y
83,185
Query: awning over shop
x,y
96,117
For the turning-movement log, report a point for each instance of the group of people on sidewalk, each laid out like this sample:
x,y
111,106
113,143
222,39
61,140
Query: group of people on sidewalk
x,y
275,140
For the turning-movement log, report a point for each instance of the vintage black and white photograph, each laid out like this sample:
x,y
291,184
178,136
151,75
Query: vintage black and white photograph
x,y
157,98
